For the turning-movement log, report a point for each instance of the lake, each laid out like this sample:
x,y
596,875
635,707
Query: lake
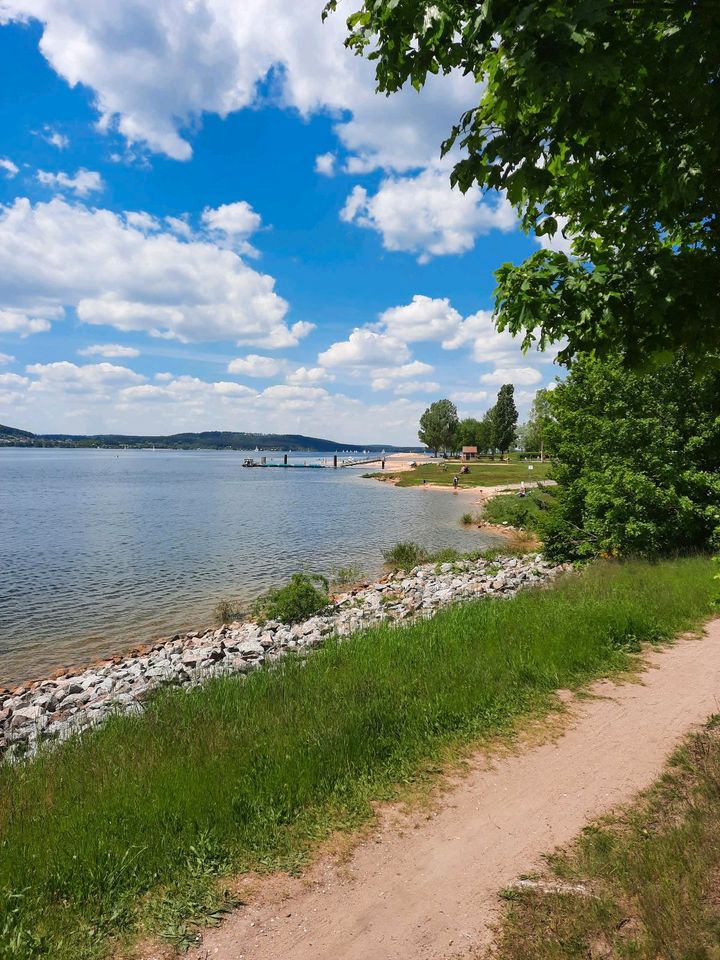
x,y
102,549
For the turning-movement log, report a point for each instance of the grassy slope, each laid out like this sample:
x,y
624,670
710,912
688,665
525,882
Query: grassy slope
x,y
131,826
654,872
480,475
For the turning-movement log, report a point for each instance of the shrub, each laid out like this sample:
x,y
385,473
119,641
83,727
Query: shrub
x,y
351,574
405,556
305,595
467,519
226,611
518,511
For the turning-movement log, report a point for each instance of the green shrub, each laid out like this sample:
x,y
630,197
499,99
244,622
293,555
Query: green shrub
x,y
467,519
405,556
305,595
518,511
226,611
351,574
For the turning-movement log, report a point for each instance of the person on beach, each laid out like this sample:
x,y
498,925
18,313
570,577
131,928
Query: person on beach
x,y
522,488
456,481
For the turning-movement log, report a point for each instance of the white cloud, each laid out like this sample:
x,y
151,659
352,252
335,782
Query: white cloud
x,y
423,215
157,66
94,378
52,136
15,321
364,348
180,226
325,164
6,358
56,255
11,169
469,396
83,183
385,377
306,376
559,242
142,220
416,386
525,376
256,366
235,222
110,350
424,318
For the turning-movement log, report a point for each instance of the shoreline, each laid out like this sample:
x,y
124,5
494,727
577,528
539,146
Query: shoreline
x,y
56,707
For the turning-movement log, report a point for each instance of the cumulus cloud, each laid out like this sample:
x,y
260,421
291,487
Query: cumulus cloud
x,y
524,376
235,222
469,396
416,386
425,318
6,358
156,66
325,164
385,377
307,376
56,255
83,183
423,215
15,321
254,365
364,348
95,379
109,350
9,168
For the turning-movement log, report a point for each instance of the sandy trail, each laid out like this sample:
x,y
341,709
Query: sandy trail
x,y
424,887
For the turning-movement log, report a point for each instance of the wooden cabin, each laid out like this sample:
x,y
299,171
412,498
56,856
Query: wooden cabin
x,y
468,454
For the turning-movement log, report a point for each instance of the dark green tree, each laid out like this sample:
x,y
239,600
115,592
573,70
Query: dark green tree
x,y
637,459
600,120
486,435
504,418
468,433
439,426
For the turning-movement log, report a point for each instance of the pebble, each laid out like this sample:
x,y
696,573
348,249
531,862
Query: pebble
x,y
51,710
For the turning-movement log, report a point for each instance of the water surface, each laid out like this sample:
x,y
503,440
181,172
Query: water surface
x,y
100,549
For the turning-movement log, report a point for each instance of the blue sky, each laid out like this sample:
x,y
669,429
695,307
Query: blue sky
x,y
208,220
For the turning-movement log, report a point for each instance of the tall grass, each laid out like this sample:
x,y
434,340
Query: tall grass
x,y
653,872
130,826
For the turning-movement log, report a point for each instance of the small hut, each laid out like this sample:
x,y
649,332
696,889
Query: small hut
x,y
469,454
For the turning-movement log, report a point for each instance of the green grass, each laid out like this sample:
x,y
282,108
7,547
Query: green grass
x,y
518,511
480,475
653,869
127,830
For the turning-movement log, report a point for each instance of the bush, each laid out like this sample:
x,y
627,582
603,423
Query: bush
x,y
351,574
226,611
405,556
467,519
305,595
518,511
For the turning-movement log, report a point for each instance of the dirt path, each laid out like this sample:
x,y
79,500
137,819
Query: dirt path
x,y
425,887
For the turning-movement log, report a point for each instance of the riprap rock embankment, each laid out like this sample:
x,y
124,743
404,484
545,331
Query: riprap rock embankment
x,y
60,707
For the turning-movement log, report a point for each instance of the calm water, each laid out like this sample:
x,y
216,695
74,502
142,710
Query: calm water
x,y
100,549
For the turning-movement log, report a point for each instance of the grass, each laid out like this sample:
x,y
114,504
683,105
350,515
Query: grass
x,y
653,872
522,512
129,830
480,474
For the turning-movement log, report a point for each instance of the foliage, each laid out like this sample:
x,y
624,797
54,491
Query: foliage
x,y
405,556
438,426
516,511
476,433
651,869
535,432
600,120
350,574
302,597
637,460
504,418
226,611
134,824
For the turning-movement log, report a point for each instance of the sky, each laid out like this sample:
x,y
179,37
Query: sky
x,y
210,221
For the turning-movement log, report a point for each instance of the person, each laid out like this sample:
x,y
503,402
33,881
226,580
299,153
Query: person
x,y
456,481
522,488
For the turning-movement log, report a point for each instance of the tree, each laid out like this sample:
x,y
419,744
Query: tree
x,y
637,459
504,418
600,120
439,425
536,427
486,436
469,433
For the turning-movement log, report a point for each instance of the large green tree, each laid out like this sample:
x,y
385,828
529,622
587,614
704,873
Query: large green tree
x,y
439,425
504,418
536,428
600,120
637,458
